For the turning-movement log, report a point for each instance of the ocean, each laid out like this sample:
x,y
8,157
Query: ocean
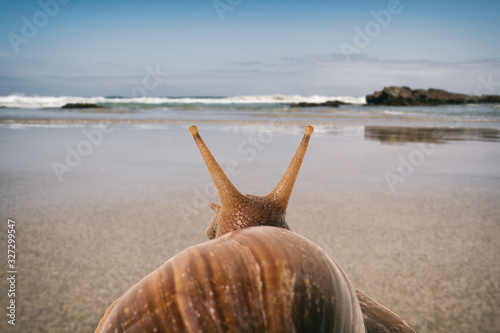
x,y
269,112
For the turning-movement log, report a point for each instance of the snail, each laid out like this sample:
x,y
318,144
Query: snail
x,y
253,275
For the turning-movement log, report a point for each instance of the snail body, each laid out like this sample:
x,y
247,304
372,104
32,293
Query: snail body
x,y
254,275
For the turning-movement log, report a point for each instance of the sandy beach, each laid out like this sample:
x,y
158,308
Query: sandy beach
x,y
423,243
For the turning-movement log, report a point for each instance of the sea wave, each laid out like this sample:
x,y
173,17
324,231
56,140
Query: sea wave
x,y
40,102
394,113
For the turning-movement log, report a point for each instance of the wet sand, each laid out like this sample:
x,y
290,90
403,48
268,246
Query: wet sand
x,y
427,247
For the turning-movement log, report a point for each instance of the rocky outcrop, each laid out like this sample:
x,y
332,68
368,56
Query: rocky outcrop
x,y
494,99
404,96
331,104
80,106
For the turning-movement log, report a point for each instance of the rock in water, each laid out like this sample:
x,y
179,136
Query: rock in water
x,y
404,96
331,104
81,106
490,99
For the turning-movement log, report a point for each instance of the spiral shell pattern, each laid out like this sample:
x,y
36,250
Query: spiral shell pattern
x,y
258,279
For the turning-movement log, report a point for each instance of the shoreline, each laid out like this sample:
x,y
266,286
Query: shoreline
x,y
387,134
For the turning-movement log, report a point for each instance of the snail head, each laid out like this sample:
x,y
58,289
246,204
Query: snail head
x,y
238,211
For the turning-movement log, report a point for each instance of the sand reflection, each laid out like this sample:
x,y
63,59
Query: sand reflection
x,y
390,135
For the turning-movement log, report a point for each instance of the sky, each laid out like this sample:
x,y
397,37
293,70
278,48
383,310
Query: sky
x,y
247,47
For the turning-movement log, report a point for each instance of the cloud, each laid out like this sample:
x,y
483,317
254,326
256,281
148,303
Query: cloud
x,y
325,74
331,73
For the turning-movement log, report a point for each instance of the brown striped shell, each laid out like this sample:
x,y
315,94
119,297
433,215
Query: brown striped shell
x,y
253,276
261,279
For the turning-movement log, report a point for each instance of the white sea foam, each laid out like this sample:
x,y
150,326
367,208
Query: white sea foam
x,y
38,102
319,129
394,113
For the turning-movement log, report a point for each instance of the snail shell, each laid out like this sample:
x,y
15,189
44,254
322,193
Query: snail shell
x,y
261,279
255,275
